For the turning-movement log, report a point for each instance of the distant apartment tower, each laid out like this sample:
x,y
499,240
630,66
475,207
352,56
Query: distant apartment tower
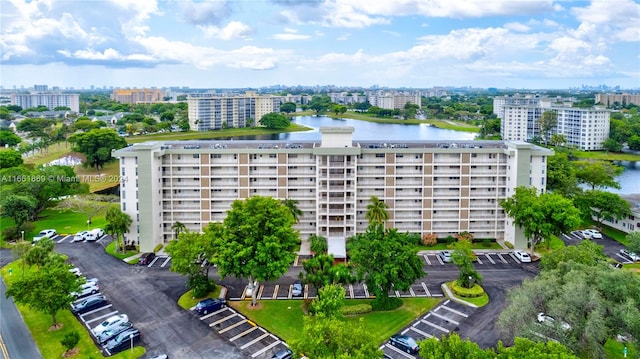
x,y
49,99
135,95
214,111
393,101
429,186
623,99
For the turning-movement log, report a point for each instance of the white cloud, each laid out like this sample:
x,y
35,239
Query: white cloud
x,y
207,12
290,37
517,27
233,30
344,37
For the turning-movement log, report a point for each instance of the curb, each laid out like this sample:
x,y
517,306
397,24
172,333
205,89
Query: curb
x,y
450,295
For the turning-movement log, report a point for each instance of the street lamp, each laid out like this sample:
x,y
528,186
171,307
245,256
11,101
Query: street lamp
x,y
22,232
131,337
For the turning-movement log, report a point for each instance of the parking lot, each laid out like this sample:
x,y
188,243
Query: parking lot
x,y
610,247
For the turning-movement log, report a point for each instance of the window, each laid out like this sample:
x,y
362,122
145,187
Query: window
x,y
196,156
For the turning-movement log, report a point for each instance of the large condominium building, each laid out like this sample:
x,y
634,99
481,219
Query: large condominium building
x,y
429,187
133,96
395,100
49,99
583,128
623,99
213,111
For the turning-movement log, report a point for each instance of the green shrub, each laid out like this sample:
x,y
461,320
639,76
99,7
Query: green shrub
x,y
357,309
318,244
157,248
70,340
200,285
383,304
460,291
508,244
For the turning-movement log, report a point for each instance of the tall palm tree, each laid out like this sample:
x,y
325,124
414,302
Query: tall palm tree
x,y
178,228
377,211
292,206
118,223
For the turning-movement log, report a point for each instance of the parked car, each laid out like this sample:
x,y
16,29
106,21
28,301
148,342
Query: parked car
x,y
633,256
80,236
85,290
46,233
160,356
146,258
123,340
85,305
283,354
545,319
445,256
76,271
522,256
591,234
406,343
296,289
110,333
95,234
93,281
109,323
209,305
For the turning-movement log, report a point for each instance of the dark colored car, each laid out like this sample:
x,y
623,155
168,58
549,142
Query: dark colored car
x,y
123,340
406,343
283,354
111,333
88,304
210,305
296,289
146,258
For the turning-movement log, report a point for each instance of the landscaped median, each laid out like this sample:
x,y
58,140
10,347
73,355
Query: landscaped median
x,y
476,296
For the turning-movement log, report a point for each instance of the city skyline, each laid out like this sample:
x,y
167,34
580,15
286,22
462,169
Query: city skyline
x,y
402,43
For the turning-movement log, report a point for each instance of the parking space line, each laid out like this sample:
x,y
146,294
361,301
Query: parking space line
x,y
96,310
413,294
165,262
514,257
267,347
489,258
626,260
503,260
440,260
454,311
152,262
275,292
426,258
244,333
255,340
426,335
366,292
101,317
224,330
351,291
222,320
213,313
295,262
478,259
62,240
399,351
435,325
426,290
444,318
260,292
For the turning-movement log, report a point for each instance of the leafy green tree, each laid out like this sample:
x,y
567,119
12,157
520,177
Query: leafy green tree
x,y
542,215
178,227
19,251
89,204
558,139
35,126
292,206
586,252
547,122
603,206
338,109
561,175
47,290
385,260
288,107
8,138
333,338
167,116
259,241
527,349
462,256
70,340
188,252
275,120
452,347
85,124
18,207
118,224
410,110
318,244
633,241
634,142
612,145
321,271
598,174
320,103
329,301
97,145
377,211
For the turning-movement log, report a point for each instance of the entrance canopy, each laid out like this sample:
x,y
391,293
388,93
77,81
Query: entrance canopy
x,y
337,247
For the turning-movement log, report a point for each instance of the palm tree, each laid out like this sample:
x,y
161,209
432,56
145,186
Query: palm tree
x,y
178,228
118,223
292,206
377,211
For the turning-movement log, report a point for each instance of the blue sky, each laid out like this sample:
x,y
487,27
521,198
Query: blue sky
x,y
254,43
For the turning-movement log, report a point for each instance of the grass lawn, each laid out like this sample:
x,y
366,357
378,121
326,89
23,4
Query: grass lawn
x,y
605,156
111,249
230,132
615,350
48,342
187,301
289,313
553,244
475,245
106,177
51,153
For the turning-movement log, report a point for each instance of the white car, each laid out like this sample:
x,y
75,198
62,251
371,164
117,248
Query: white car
x,y
76,271
545,319
46,233
591,234
633,256
522,256
80,236
109,323
445,256
85,290
95,234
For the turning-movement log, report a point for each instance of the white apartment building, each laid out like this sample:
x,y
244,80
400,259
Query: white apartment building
x,y
214,112
429,186
49,99
395,100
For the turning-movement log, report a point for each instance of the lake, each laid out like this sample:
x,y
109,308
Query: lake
x,y
629,180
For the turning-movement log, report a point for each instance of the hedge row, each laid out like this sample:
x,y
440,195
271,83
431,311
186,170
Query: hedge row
x,y
474,292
